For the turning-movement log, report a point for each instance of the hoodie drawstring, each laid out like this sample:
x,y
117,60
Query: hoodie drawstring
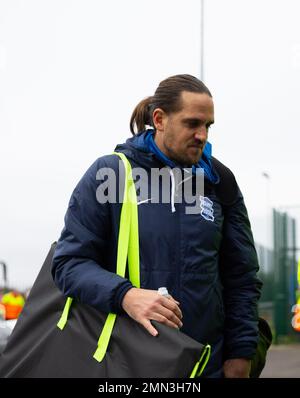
x,y
172,190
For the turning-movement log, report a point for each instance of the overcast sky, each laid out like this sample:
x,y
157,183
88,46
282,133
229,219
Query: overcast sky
x,y
71,73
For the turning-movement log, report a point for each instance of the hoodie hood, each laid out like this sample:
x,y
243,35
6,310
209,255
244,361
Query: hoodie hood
x,y
143,149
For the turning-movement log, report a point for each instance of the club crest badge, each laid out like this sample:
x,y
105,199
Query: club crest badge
x,y
207,210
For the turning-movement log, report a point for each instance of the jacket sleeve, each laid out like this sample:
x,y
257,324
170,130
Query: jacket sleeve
x,y
238,268
80,267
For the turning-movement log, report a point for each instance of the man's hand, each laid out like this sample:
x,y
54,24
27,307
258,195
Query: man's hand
x,y
143,305
237,368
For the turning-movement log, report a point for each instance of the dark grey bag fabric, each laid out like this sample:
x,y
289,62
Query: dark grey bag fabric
x,y
38,348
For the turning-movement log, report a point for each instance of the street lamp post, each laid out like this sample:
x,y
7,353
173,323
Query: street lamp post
x,y
4,271
202,42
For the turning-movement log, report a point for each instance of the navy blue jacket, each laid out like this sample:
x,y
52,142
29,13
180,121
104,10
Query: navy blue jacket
x,y
208,263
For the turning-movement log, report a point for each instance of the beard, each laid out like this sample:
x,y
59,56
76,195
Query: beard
x,y
188,155
183,158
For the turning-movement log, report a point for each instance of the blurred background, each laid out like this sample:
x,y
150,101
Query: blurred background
x,y
71,73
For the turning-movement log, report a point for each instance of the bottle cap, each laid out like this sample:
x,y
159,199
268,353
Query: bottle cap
x,y
163,291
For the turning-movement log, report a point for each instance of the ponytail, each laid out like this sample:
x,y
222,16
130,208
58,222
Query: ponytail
x,y
141,116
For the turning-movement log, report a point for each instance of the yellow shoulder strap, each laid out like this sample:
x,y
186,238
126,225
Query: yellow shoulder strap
x,y
128,246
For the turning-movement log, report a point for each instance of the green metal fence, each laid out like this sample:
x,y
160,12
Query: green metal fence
x,y
278,271
266,274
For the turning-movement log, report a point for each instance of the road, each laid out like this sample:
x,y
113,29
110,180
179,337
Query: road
x,y
283,361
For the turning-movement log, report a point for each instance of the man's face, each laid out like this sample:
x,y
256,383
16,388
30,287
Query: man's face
x,y
182,135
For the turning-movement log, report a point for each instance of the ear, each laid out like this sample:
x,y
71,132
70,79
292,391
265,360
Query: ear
x,y
159,118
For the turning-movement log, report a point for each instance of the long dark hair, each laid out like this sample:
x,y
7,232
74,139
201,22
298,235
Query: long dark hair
x,y
166,97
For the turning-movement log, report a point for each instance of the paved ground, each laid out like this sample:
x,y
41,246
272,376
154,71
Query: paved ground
x,y
283,361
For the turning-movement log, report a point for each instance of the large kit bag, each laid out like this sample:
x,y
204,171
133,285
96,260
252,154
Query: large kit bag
x,y
57,336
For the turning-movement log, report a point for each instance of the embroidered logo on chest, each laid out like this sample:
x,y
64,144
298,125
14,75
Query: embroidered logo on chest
x,y
206,206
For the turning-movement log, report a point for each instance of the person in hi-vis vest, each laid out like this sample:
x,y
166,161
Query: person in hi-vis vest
x,y
13,302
